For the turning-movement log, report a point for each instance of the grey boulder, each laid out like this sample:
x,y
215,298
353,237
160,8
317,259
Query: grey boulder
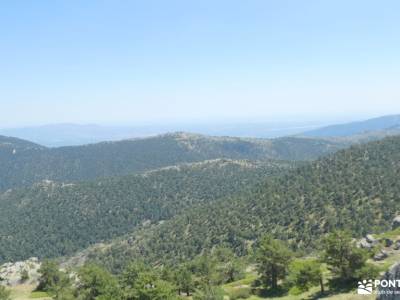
x,y
396,222
381,255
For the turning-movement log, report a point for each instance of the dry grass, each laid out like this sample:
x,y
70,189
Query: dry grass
x,y
24,292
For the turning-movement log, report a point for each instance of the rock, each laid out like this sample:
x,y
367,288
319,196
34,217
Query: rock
x,y
387,242
11,272
368,242
397,245
396,222
364,244
381,255
131,240
370,239
390,293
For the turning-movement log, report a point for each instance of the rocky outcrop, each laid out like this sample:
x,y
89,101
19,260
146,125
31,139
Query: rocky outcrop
x,y
390,293
12,274
368,242
396,245
381,255
396,222
363,243
370,239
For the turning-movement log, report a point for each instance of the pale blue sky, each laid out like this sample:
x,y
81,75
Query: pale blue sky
x,y
145,61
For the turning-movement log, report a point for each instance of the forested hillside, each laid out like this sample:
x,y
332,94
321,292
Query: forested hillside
x,y
51,219
68,164
355,189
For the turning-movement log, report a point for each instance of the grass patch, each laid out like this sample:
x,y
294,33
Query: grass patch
x,y
306,295
392,234
38,295
248,280
241,293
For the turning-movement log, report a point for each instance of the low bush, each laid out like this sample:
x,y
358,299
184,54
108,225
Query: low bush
x,y
240,293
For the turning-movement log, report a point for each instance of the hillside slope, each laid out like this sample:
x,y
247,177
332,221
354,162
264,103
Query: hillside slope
x,y
7,143
69,164
51,219
356,189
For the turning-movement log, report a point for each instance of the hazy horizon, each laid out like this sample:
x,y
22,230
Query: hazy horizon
x,y
72,134
278,120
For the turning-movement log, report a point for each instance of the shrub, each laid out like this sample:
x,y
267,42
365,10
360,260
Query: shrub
x,y
4,294
295,291
24,274
240,293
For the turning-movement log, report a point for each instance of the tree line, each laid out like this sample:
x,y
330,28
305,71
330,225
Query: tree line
x,y
338,263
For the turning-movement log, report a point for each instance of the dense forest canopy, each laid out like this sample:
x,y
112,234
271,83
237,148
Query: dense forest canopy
x,y
51,219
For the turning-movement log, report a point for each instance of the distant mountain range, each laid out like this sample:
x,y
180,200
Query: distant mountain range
x,y
58,135
390,124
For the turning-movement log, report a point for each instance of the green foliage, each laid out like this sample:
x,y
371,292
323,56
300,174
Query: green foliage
x,y
229,268
50,276
184,280
369,271
239,293
54,282
4,294
149,287
273,258
304,274
63,291
139,282
131,273
94,283
342,256
204,267
209,292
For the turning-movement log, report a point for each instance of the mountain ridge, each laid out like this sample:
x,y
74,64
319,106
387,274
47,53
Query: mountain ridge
x,y
100,160
16,143
389,122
